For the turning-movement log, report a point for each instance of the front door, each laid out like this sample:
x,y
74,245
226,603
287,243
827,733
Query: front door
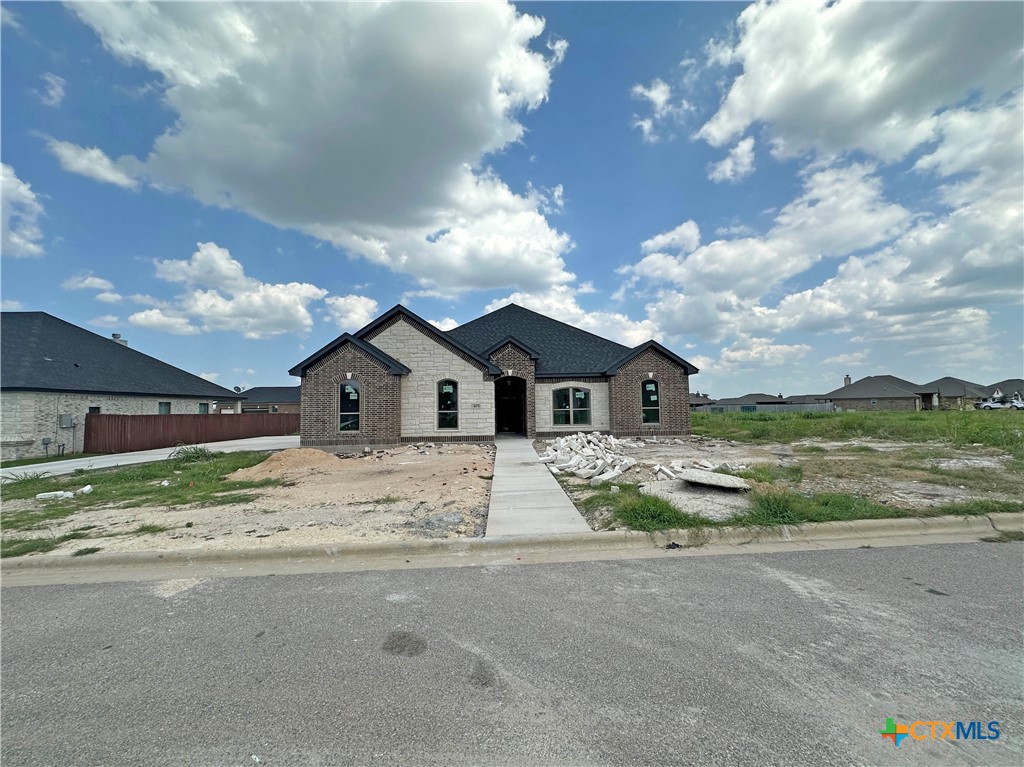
x,y
510,405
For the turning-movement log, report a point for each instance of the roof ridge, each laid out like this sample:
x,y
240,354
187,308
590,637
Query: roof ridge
x,y
514,305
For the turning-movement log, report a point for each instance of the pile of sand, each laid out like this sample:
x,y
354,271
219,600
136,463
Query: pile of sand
x,y
292,462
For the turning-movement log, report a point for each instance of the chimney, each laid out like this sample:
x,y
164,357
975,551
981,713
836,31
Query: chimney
x,y
847,380
116,338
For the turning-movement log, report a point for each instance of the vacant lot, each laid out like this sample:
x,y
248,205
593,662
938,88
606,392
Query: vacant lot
x,y
250,500
818,466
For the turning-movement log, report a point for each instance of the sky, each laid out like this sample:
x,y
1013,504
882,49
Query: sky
x,y
782,194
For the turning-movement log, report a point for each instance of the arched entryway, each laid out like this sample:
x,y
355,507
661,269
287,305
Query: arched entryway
x,y
510,405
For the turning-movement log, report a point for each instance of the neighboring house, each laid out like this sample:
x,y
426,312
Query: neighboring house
x,y
750,400
53,373
400,379
957,394
271,399
883,393
1009,387
806,399
698,400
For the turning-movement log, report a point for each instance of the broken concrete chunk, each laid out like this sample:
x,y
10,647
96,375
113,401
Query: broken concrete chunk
x,y
713,479
554,470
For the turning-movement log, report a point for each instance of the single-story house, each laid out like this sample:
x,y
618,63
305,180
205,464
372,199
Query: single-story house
x,y
750,400
512,371
53,373
1008,387
698,400
956,394
883,392
271,399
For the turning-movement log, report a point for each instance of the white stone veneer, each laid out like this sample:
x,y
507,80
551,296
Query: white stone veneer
x,y
599,420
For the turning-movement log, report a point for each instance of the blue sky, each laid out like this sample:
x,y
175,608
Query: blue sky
x,y
782,193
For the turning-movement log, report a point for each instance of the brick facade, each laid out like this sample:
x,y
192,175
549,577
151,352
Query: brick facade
x,y
380,405
674,396
28,416
879,403
515,362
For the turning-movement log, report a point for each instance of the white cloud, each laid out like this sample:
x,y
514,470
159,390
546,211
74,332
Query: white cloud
x,y
21,211
664,113
351,312
109,297
738,164
560,303
833,77
156,319
10,305
211,377
851,358
93,163
365,125
220,296
747,352
446,324
106,321
9,19
87,281
683,239
54,93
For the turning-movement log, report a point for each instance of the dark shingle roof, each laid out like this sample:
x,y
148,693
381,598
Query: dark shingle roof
x,y
876,387
1007,387
753,399
563,350
43,353
954,387
265,395
394,366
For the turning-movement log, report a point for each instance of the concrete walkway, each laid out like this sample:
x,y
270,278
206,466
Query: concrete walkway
x,y
525,498
146,456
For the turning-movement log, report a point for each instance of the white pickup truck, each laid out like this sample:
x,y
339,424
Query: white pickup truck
x,y
993,403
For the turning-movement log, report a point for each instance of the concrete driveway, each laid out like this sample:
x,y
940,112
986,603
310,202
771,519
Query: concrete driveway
x,y
146,456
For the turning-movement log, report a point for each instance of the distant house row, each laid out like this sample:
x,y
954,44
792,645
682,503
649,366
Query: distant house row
x,y
884,392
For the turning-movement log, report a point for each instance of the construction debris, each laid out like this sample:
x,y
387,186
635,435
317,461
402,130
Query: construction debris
x,y
713,479
593,456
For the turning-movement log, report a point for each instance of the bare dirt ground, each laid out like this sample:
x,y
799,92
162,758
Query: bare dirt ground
x,y
412,493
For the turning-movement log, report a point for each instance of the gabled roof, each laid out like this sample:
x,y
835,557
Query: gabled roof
x,y
954,387
429,330
41,352
753,399
1007,387
561,349
510,340
394,366
637,350
265,395
875,387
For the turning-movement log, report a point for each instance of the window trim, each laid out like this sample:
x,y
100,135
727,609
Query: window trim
x,y
438,409
359,405
160,408
204,405
572,410
657,408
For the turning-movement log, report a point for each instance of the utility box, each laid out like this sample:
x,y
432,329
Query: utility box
x,y
65,421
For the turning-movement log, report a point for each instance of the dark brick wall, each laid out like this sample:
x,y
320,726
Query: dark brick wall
x,y
380,415
881,403
673,394
511,357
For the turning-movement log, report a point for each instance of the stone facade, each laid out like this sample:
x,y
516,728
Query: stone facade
x,y
380,404
28,416
879,403
600,419
674,396
432,362
513,361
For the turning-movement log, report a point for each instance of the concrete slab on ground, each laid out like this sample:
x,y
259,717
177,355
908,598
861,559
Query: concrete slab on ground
x,y
525,498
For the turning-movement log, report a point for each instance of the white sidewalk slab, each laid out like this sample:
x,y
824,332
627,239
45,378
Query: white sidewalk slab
x,y
525,498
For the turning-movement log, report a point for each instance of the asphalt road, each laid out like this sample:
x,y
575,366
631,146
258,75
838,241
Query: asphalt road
x,y
788,659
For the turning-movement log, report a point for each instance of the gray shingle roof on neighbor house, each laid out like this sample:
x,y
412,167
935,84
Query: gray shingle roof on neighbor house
x,y
276,395
876,387
1007,387
39,352
563,350
954,387
753,399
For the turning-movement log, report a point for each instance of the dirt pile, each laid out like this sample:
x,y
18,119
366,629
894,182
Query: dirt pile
x,y
293,462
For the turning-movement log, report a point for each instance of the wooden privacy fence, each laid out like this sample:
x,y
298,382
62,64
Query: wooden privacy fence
x,y
125,433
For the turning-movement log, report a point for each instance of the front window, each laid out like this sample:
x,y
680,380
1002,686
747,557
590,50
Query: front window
x,y
163,408
447,405
349,407
650,405
570,406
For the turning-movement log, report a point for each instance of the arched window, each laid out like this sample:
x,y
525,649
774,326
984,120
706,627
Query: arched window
x,y
348,406
447,404
650,405
570,406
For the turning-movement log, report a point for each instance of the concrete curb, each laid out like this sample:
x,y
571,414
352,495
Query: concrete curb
x,y
722,536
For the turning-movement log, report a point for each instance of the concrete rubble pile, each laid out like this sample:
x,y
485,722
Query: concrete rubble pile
x,y
593,456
